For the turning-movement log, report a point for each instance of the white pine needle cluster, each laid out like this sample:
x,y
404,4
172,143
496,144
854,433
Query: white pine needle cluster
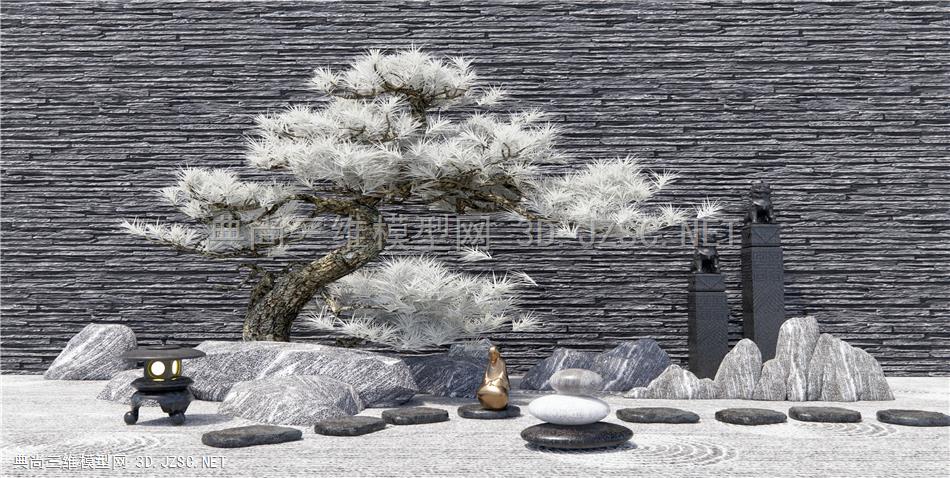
x,y
417,302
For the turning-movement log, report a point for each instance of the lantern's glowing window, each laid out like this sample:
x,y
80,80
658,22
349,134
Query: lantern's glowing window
x,y
176,368
156,369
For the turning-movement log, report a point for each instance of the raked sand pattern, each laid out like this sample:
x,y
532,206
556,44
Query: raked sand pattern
x,y
49,418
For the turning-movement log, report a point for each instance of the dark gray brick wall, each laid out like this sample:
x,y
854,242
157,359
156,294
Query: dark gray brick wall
x,y
842,106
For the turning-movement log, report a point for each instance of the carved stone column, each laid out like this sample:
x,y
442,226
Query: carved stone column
x,y
763,286
708,323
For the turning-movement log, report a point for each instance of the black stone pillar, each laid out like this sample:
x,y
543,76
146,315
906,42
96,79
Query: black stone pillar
x,y
763,286
708,323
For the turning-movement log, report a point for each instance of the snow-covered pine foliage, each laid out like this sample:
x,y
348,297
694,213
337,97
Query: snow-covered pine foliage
x,y
407,126
415,302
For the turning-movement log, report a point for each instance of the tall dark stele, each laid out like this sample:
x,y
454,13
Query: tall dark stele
x,y
763,281
708,313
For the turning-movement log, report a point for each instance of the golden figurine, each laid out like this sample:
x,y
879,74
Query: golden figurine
x,y
493,393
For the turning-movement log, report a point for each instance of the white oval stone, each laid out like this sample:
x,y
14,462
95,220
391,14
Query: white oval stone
x,y
569,409
577,381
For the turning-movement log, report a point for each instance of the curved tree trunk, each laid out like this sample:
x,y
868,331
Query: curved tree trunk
x,y
277,300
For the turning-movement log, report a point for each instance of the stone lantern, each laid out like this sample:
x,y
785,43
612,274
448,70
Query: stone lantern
x,y
163,381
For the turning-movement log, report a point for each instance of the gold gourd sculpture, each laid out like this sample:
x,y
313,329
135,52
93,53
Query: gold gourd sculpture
x,y
493,393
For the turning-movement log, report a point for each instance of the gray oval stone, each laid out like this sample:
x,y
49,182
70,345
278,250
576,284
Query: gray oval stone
x,y
576,437
657,415
349,426
250,436
750,416
475,411
415,415
577,381
824,414
914,418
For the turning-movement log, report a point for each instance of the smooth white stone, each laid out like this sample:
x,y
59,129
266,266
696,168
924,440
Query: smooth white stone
x,y
569,409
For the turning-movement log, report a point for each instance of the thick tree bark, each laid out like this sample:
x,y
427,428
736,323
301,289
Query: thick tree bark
x,y
278,300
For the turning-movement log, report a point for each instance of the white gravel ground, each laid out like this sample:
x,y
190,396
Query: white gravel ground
x,y
59,428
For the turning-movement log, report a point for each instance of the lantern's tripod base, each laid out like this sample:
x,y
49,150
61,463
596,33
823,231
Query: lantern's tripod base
x,y
174,403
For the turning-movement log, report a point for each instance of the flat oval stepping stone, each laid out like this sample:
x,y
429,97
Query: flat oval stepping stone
x,y
415,415
250,436
475,411
349,426
577,437
750,416
914,418
824,414
657,415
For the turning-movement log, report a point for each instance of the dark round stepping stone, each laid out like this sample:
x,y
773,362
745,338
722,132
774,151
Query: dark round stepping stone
x,y
824,414
750,416
349,426
250,436
415,415
657,415
577,437
914,418
475,411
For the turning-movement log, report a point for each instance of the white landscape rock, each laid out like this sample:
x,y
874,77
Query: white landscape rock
x,y
739,371
291,400
380,380
93,354
569,409
796,343
675,383
771,384
631,364
831,371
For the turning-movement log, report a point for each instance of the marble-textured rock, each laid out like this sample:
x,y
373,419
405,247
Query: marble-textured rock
x,y
119,388
771,384
475,351
824,414
831,371
250,436
739,371
914,418
797,339
870,381
657,415
538,378
475,411
750,416
93,354
569,409
291,400
349,426
415,416
594,435
678,384
631,364
445,376
380,380
576,381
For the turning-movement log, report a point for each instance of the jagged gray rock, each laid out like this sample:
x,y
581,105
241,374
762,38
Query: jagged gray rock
x,y
796,344
677,383
538,378
771,384
739,371
380,380
631,364
291,400
831,371
445,376
871,383
93,354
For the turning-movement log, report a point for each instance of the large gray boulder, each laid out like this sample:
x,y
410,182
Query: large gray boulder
x,y
475,351
93,354
675,383
380,380
291,400
771,384
119,388
797,339
539,377
739,371
631,364
831,371
870,380
445,376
